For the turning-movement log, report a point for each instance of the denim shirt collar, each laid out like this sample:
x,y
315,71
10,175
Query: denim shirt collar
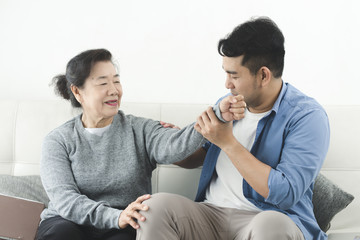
x,y
276,105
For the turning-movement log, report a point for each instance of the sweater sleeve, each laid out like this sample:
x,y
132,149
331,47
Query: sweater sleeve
x,y
169,145
65,197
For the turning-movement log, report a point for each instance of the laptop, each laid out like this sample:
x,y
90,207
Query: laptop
x,y
19,218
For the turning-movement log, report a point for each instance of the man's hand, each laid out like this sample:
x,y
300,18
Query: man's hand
x,y
232,108
168,125
131,213
213,129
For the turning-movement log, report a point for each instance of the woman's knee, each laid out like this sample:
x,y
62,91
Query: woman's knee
x,y
59,228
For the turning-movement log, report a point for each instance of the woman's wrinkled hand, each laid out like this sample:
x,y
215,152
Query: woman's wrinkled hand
x,y
233,108
130,215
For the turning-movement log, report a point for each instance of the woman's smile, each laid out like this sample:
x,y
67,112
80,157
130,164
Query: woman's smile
x,y
112,103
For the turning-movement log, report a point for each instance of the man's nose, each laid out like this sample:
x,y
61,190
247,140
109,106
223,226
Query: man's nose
x,y
228,83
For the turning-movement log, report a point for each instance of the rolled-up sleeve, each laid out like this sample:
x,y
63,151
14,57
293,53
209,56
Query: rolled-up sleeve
x,y
305,146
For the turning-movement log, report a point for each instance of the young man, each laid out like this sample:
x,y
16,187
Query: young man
x,y
258,172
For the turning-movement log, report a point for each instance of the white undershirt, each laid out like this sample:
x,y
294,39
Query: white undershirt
x,y
98,131
226,188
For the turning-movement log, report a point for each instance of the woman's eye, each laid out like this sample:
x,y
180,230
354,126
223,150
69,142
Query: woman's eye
x,y
117,81
103,84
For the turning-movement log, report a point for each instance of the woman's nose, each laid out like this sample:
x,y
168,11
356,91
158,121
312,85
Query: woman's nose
x,y
112,89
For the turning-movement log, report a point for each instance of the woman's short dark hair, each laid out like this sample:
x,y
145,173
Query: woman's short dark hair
x,y
261,43
77,71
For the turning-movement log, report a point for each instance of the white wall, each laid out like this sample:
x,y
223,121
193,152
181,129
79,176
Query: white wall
x,y
167,50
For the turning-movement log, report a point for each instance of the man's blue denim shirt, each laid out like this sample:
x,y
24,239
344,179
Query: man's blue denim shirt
x,y
293,139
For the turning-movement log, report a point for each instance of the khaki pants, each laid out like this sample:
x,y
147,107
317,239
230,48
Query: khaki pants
x,y
173,217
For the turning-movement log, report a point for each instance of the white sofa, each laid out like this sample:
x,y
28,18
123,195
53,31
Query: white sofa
x,y
23,125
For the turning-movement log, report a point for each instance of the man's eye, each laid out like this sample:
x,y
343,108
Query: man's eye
x,y
103,84
117,81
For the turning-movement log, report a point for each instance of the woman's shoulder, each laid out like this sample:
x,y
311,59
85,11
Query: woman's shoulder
x,y
134,120
63,130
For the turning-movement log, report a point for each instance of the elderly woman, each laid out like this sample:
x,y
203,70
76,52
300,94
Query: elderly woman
x,y
96,168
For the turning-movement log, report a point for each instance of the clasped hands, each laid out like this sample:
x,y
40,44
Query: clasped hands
x,y
219,133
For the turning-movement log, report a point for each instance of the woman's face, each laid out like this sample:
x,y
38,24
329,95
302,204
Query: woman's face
x,y
101,95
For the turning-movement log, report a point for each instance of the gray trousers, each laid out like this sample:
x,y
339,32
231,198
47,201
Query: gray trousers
x,y
173,217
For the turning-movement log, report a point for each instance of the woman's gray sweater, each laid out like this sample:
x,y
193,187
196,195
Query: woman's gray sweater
x,y
90,178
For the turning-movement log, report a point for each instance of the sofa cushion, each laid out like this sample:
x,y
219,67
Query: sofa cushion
x,y
328,200
28,187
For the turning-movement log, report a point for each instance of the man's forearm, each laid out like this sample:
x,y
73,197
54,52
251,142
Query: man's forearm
x,y
255,172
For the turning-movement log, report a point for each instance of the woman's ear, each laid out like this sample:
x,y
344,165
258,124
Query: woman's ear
x,y
75,90
266,76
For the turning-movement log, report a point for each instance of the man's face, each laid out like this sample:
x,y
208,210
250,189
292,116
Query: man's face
x,y
240,81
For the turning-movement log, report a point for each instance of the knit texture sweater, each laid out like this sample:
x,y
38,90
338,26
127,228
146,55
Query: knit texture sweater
x,y
90,178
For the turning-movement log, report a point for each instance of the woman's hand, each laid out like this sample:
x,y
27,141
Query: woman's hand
x,y
233,108
131,214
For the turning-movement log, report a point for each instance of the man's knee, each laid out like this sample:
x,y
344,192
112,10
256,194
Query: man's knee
x,y
162,206
161,217
159,201
273,225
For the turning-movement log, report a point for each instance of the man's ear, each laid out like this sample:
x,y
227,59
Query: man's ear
x,y
266,75
75,90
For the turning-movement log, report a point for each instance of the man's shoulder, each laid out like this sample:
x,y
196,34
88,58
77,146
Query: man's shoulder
x,y
295,105
294,99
